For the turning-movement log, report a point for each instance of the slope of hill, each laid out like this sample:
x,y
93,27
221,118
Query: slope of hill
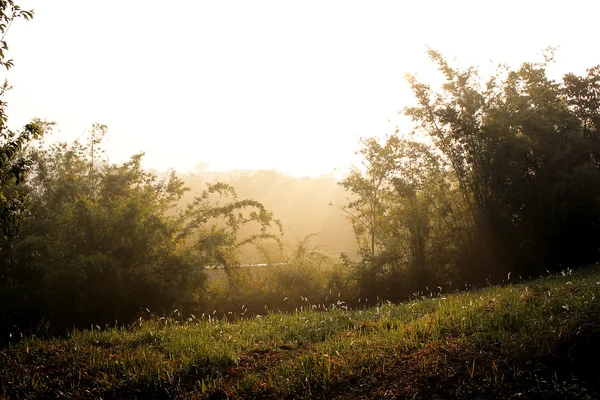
x,y
536,339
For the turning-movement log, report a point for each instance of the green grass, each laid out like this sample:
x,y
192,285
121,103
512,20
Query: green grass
x,y
529,338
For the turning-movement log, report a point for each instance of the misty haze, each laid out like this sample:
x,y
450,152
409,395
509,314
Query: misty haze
x,y
316,200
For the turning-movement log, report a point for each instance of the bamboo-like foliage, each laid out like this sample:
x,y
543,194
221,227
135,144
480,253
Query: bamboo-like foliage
x,y
509,184
104,241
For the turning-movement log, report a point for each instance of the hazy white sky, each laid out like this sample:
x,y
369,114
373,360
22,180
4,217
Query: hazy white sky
x,y
262,84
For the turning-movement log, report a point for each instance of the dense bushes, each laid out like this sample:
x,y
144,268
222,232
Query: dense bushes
x,y
303,276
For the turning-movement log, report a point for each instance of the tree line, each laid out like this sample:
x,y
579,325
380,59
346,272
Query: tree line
x,y
499,176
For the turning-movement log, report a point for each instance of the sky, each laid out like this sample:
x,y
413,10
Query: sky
x,y
286,85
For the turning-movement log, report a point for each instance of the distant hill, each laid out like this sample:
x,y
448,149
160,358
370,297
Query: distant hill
x,y
304,205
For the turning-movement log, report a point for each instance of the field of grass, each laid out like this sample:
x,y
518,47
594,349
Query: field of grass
x,y
537,339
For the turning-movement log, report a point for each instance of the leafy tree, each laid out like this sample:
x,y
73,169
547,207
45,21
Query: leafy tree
x,y
13,167
511,183
400,216
104,241
9,11
522,149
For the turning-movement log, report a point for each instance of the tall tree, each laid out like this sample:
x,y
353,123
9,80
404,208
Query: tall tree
x,y
402,194
13,167
521,149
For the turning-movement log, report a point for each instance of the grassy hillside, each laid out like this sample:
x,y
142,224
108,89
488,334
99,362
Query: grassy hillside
x,y
537,339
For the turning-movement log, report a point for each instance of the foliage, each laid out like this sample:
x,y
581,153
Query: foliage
x,y
290,279
507,183
104,241
524,150
13,170
13,167
9,11
406,218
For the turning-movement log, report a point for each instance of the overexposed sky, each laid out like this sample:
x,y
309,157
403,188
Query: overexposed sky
x,y
290,85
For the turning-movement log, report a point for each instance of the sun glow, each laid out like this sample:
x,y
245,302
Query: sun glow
x,y
290,86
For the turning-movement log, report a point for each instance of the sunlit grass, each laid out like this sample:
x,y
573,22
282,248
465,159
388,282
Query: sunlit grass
x,y
312,351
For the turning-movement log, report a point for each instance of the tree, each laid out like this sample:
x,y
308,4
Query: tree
x,y
511,182
13,167
104,241
399,212
522,150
